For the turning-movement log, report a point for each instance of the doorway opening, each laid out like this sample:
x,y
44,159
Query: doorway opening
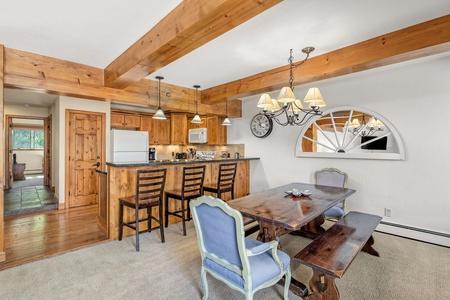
x,y
28,161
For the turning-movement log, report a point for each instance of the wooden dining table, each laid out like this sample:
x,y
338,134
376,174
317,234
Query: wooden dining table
x,y
279,212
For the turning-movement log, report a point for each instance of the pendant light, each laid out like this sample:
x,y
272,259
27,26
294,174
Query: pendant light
x,y
159,115
226,121
196,119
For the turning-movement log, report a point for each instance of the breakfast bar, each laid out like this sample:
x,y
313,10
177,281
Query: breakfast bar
x,y
121,182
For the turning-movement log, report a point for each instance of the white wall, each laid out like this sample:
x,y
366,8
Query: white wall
x,y
415,98
59,129
32,158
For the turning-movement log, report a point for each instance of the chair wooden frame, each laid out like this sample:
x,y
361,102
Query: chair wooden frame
x,y
225,180
191,188
344,183
244,253
149,193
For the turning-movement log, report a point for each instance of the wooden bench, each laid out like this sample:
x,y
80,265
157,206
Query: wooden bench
x,y
331,253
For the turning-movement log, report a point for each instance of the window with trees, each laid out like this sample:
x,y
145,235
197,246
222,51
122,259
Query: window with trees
x,y
28,139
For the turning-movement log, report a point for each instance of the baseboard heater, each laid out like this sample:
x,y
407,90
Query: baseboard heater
x,y
416,229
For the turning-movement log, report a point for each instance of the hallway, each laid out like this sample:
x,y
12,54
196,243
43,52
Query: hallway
x,y
29,196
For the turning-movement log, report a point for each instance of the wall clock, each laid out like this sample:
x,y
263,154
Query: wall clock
x,y
261,125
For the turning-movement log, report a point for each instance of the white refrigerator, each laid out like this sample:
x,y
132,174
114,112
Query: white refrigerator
x,y
129,146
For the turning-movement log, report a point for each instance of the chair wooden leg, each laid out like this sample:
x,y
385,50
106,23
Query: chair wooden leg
x,y
166,212
149,216
161,228
183,217
137,228
120,221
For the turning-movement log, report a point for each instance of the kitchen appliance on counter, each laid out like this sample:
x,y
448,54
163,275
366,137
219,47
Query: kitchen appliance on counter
x,y
198,135
181,155
152,154
128,146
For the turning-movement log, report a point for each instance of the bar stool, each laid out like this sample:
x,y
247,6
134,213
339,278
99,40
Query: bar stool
x,y
225,180
191,188
149,194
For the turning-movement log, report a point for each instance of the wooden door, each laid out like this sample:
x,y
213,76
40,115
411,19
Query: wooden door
x,y
8,153
86,153
47,151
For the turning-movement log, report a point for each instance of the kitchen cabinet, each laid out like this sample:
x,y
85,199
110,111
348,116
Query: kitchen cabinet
x,y
197,125
125,120
178,129
217,134
158,130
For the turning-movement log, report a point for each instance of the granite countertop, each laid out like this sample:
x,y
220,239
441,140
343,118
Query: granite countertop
x,y
177,161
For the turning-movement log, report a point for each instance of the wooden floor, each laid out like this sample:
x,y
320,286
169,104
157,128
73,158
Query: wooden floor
x,y
44,234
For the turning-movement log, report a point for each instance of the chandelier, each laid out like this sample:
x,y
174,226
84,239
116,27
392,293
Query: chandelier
x,y
289,113
364,129
196,119
159,115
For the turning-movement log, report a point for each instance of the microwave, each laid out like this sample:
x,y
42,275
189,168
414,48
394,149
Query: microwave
x,y
198,135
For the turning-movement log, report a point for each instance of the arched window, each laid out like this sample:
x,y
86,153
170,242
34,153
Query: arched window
x,y
350,132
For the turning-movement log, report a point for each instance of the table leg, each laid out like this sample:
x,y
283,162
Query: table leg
x,y
368,247
322,286
312,229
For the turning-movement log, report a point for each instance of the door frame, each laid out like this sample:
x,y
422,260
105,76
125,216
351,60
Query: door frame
x,y
68,174
9,147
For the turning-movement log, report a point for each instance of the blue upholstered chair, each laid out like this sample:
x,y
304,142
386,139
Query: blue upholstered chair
x,y
246,265
332,177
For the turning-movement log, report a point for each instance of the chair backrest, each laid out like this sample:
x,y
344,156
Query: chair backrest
x,y
193,178
220,233
331,177
150,185
227,174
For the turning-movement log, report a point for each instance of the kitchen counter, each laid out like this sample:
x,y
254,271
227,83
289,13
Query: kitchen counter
x,y
121,182
178,161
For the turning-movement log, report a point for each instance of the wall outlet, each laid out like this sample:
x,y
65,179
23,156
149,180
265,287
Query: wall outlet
x,y
387,212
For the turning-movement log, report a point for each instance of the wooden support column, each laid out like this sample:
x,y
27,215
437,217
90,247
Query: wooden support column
x,y
2,165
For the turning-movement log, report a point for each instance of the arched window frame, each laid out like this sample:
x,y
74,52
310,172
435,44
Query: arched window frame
x,y
399,155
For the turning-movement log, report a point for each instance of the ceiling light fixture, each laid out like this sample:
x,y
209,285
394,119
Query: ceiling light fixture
x,y
291,105
159,115
226,121
196,119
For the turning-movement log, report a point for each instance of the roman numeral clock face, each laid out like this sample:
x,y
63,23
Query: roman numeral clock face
x,y
261,126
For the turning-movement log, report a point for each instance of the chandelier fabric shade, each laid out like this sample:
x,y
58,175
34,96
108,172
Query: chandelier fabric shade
x,y
159,115
288,105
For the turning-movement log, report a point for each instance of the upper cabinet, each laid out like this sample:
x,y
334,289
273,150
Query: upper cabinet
x,y
179,129
125,120
158,130
217,134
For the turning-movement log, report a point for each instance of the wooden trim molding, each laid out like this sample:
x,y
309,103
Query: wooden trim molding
x,y
2,154
424,39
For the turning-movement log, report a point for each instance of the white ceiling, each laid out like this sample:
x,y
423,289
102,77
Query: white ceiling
x,y
95,32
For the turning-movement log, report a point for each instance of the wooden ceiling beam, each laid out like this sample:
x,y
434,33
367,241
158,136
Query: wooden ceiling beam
x,y
424,39
190,25
34,72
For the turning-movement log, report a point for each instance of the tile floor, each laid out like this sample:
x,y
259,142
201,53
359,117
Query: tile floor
x,y
29,199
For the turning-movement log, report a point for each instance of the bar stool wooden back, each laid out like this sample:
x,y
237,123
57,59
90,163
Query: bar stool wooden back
x,y
149,194
191,188
225,180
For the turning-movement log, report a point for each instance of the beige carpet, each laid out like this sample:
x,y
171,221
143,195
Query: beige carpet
x,y
114,270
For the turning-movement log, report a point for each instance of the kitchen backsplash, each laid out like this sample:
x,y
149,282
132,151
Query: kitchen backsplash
x,y
165,151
